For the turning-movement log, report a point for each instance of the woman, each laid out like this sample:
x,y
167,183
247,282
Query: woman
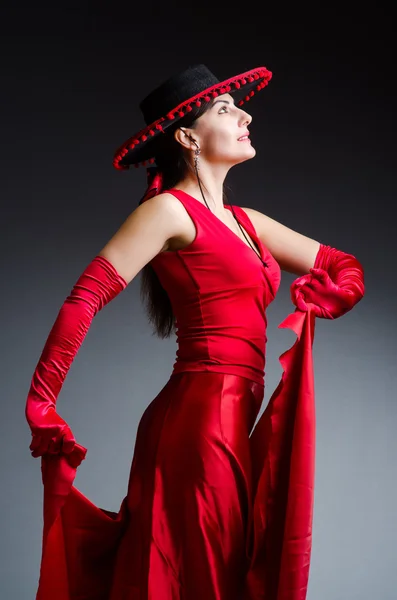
x,y
214,509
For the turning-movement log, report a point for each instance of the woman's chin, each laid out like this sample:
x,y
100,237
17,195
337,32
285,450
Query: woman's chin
x,y
248,154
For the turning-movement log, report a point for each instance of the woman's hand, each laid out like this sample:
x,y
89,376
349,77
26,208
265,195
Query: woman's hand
x,y
326,299
50,433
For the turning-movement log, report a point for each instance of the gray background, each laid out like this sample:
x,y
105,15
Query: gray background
x,y
325,135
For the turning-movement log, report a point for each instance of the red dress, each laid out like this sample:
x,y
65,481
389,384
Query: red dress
x,y
216,509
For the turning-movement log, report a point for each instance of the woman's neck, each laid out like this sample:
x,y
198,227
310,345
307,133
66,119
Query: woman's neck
x,y
212,190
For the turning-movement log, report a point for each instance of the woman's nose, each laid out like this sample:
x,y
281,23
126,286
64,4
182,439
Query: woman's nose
x,y
245,118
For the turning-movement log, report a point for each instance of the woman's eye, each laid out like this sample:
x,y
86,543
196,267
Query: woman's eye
x,y
223,107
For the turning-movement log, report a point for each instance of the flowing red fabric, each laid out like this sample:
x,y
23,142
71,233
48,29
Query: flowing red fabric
x,y
217,507
80,540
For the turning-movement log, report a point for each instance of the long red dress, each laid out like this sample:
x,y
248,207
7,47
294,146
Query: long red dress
x,y
216,509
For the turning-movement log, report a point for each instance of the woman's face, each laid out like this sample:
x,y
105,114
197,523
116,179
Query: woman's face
x,y
219,130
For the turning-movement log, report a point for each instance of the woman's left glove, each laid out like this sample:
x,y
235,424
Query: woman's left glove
x,y
96,287
332,287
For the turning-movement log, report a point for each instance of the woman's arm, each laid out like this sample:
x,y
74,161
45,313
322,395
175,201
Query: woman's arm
x,y
294,252
331,281
138,240
144,234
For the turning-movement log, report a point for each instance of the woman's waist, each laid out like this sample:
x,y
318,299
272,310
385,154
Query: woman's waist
x,y
249,372
241,357
223,346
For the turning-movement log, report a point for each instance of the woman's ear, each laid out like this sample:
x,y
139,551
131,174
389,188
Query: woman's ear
x,y
185,138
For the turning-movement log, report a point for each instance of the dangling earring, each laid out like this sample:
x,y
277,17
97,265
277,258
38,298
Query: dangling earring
x,y
196,158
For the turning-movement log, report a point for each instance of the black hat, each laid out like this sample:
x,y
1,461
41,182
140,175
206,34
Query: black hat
x,y
174,99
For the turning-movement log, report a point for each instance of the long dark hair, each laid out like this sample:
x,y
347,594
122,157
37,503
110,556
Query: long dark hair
x,y
172,160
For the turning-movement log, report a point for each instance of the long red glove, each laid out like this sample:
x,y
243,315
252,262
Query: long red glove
x,y
333,286
97,285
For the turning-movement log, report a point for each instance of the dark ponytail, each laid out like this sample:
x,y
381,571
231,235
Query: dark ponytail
x,y
172,166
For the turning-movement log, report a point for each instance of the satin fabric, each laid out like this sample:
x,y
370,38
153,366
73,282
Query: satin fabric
x,y
213,510
97,285
190,492
82,542
219,291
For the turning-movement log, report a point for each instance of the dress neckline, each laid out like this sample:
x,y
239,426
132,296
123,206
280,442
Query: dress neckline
x,y
256,239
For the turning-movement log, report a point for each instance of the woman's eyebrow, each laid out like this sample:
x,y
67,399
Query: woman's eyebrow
x,y
220,100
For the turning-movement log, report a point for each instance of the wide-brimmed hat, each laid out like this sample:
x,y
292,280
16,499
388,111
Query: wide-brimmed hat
x,y
175,98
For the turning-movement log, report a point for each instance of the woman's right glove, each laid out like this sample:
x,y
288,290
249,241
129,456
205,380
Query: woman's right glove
x,y
96,286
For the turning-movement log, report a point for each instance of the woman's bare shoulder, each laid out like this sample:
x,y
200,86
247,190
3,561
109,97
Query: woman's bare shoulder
x,y
144,233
